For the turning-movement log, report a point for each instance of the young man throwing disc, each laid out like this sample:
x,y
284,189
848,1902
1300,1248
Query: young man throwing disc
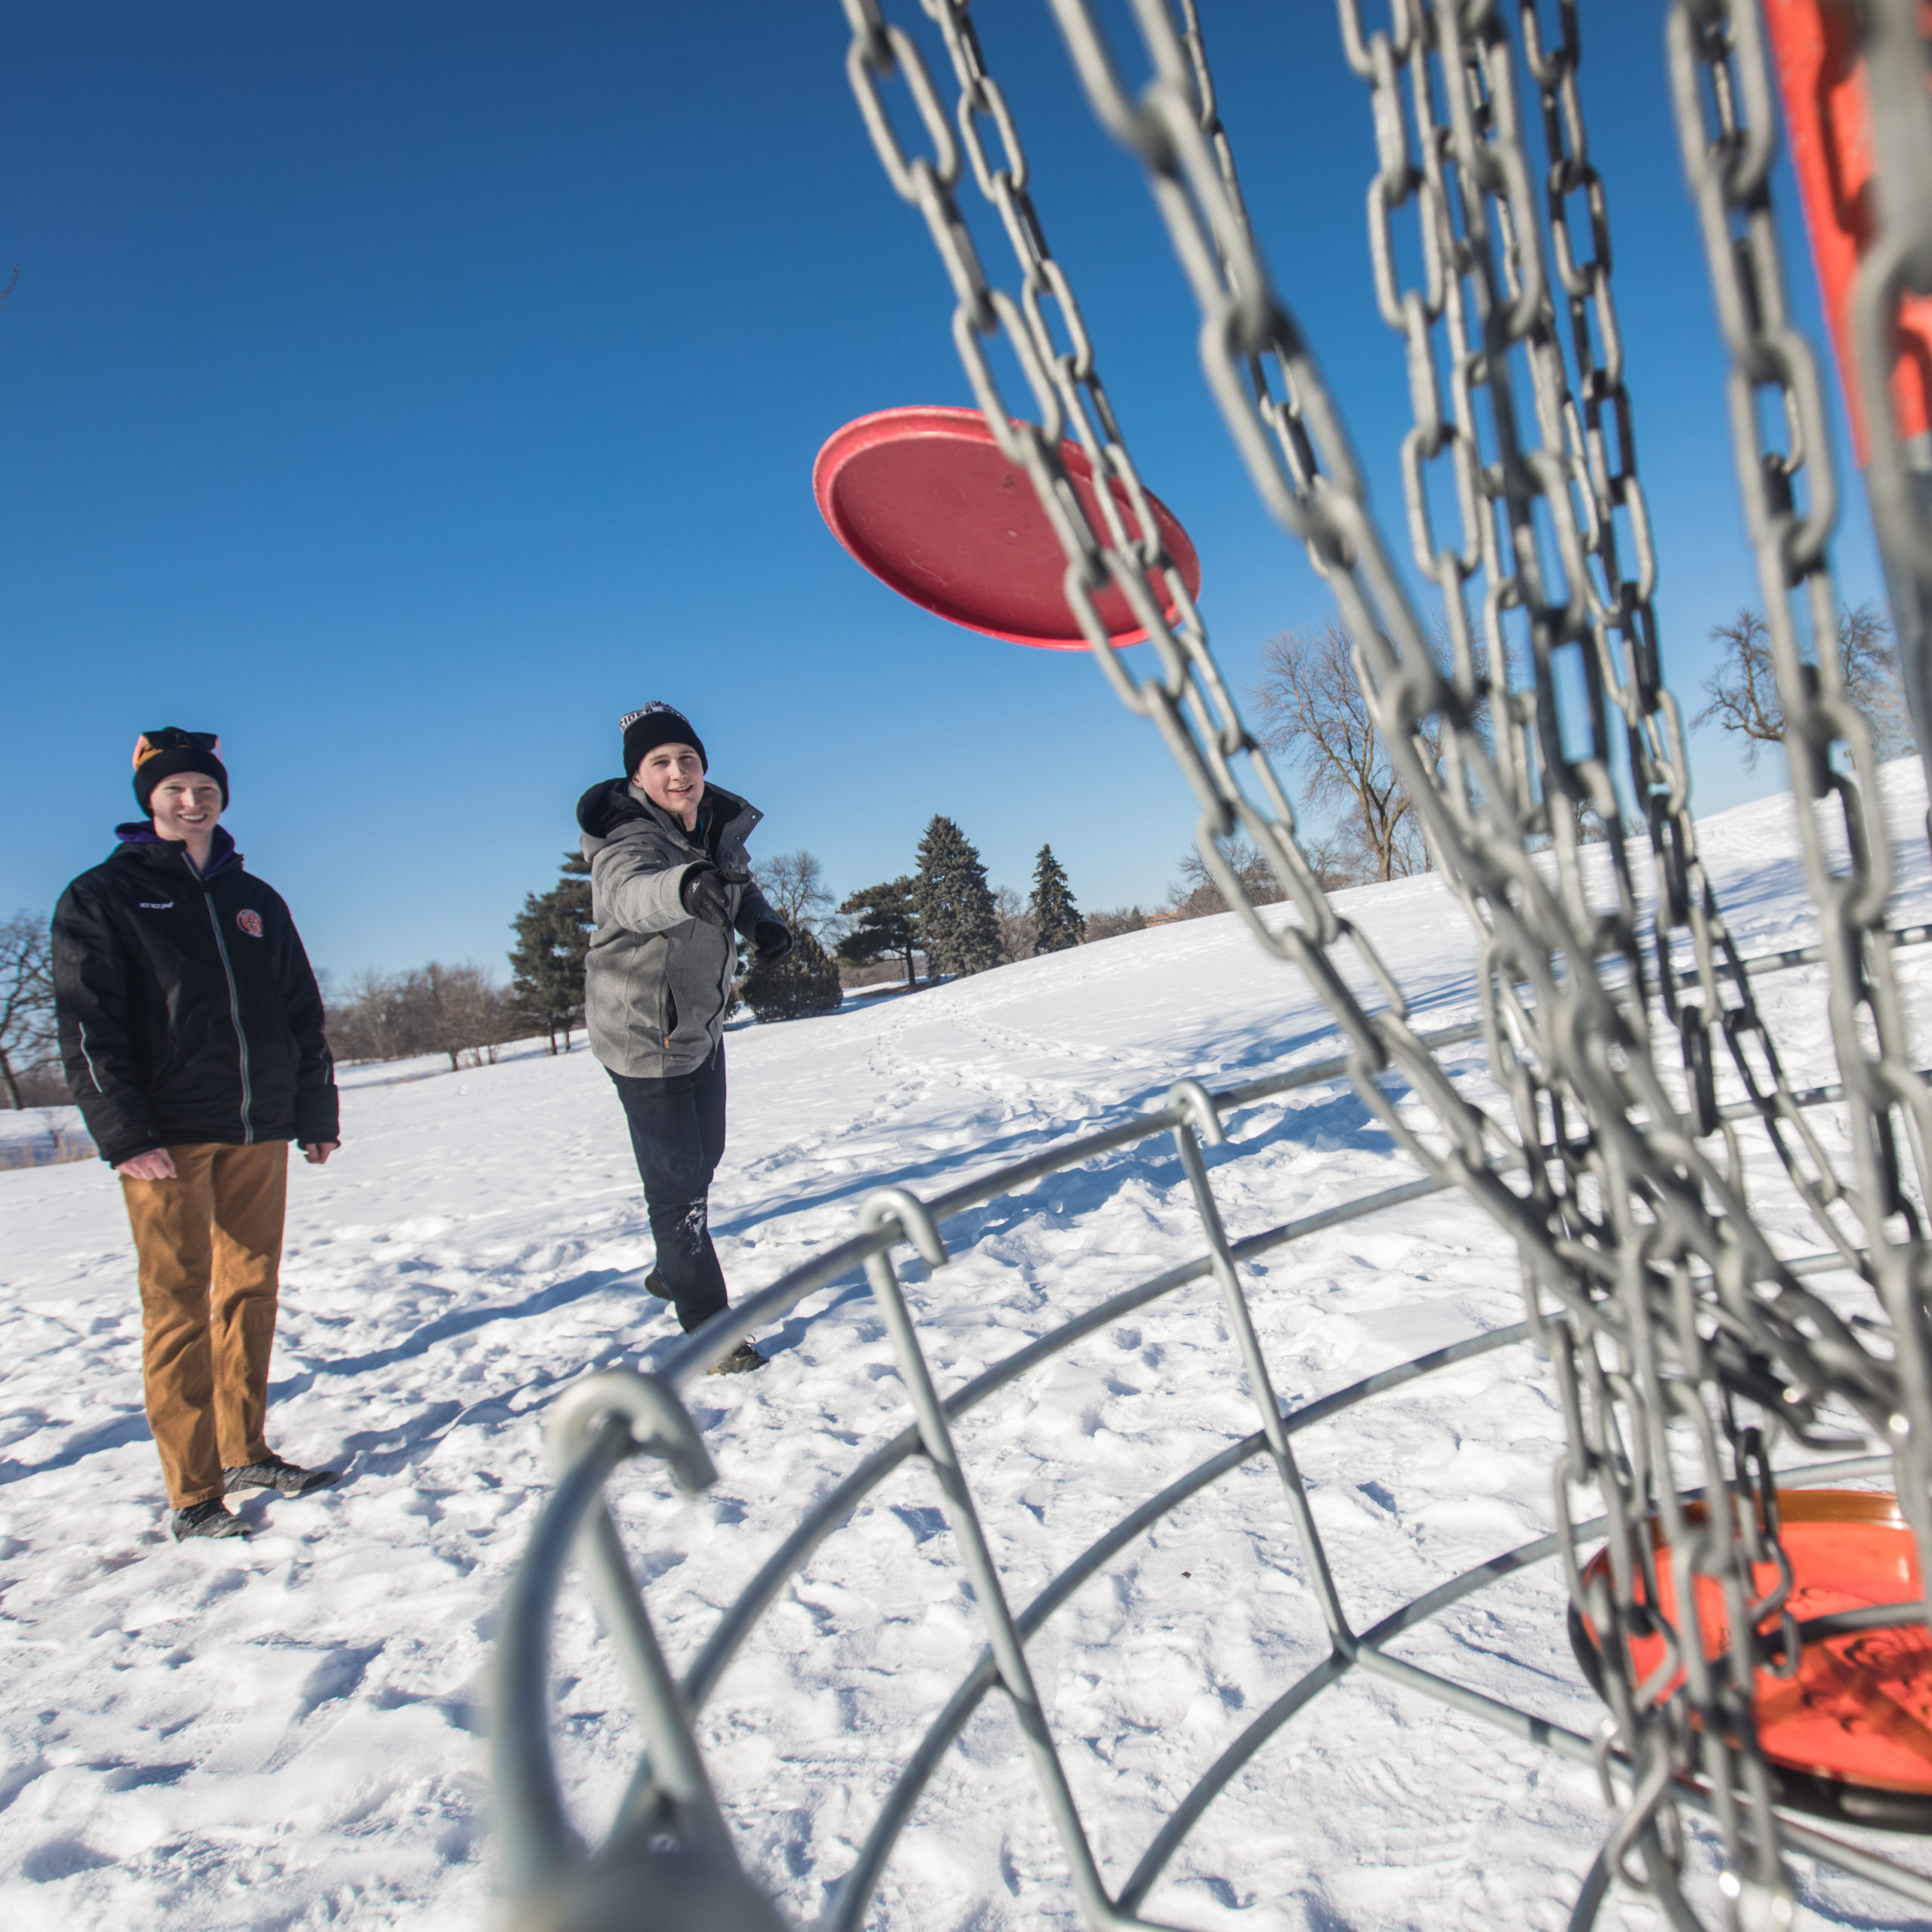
x,y
191,1031
669,882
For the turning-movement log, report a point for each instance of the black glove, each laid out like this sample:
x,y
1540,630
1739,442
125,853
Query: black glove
x,y
770,941
702,895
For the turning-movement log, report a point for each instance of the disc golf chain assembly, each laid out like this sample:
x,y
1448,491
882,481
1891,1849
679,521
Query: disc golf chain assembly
x,y
1528,721
1623,1187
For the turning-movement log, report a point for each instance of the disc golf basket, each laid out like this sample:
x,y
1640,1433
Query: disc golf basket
x,y
1759,1633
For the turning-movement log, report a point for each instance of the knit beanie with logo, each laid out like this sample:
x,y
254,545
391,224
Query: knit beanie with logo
x,y
658,724
159,754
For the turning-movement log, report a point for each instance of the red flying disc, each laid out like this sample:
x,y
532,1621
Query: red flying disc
x,y
924,498
1851,1733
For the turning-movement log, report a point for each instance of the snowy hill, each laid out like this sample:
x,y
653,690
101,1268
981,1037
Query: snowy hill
x,y
288,1732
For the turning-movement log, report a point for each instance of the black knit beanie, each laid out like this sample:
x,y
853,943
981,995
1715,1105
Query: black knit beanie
x,y
159,754
658,724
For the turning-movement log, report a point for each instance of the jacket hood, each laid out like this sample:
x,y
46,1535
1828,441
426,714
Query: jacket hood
x,y
605,806
138,839
611,803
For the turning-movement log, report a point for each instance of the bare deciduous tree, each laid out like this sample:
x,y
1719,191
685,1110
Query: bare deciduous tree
x,y
1194,895
794,883
365,1017
460,1010
1312,711
1018,930
1113,922
1743,688
26,1004
452,1010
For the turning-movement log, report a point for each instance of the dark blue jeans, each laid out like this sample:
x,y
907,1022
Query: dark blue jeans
x,y
678,1133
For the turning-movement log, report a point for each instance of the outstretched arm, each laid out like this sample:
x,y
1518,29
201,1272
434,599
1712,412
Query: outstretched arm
x,y
637,889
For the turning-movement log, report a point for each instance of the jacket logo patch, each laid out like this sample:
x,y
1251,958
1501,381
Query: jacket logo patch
x,y
157,905
250,923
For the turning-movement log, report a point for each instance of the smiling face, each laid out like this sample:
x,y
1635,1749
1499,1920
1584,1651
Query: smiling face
x,y
186,807
672,776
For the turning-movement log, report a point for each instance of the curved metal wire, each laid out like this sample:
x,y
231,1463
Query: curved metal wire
x,y
607,1417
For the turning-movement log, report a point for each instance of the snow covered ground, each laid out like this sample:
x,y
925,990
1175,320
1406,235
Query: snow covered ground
x,y
290,1732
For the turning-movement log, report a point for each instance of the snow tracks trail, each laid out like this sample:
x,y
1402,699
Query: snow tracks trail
x,y
289,1732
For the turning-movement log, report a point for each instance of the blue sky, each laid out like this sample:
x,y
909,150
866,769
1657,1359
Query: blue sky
x,y
405,389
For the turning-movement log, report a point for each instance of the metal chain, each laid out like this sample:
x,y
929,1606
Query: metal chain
x,y
1577,599
1679,1311
1899,475
1189,700
1723,97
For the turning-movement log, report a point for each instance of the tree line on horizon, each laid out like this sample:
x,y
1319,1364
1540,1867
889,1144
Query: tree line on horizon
x,y
1313,712
942,919
943,914
1311,708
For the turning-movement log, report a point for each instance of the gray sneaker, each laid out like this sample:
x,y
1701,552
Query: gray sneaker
x,y
271,1472
205,1519
741,1360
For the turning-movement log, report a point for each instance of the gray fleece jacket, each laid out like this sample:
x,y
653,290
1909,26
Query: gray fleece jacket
x,y
656,981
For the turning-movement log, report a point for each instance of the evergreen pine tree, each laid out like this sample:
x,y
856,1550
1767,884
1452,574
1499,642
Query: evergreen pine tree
x,y
889,923
546,964
1056,920
958,919
806,980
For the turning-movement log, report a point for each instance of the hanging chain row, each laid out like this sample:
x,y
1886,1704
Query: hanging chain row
x,y
1480,245
1451,144
1624,1190
1722,91
1898,262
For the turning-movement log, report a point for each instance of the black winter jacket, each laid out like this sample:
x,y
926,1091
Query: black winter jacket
x,y
187,1008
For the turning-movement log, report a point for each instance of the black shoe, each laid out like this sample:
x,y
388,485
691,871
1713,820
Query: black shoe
x,y
205,1519
271,1472
741,1360
654,1284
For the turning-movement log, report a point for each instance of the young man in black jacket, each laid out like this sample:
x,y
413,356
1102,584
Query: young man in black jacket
x,y
191,1031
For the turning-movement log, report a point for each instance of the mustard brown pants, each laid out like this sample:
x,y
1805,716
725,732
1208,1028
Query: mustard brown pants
x,y
210,1248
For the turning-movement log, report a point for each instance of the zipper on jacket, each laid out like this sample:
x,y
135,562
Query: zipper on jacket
x,y
671,1010
234,1013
